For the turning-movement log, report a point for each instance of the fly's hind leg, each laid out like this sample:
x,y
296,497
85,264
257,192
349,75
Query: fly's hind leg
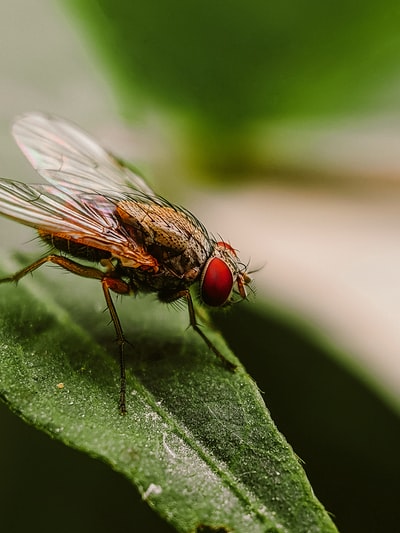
x,y
108,282
64,262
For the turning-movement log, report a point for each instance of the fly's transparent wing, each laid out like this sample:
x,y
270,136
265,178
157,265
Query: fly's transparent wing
x,y
70,159
88,220
46,208
87,186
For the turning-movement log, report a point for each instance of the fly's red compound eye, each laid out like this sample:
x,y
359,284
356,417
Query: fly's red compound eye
x,y
217,282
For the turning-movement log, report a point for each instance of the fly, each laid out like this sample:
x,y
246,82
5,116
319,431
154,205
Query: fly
x,y
95,209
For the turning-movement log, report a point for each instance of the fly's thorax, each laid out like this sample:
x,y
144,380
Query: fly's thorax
x,y
174,237
224,278
151,224
176,241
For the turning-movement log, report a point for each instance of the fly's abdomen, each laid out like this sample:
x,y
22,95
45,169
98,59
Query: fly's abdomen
x,y
75,249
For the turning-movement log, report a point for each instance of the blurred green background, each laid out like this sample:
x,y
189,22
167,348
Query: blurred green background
x,y
298,102
228,66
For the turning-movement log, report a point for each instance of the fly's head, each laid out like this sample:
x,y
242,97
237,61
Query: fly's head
x,y
224,277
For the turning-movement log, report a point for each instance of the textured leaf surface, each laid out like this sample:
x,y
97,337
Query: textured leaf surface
x,y
197,440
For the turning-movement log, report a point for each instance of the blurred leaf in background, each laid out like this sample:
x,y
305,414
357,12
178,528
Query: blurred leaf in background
x,y
227,66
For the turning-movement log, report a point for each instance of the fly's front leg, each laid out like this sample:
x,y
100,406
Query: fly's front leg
x,y
192,317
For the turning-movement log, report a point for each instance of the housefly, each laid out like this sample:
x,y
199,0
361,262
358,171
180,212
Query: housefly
x,y
103,221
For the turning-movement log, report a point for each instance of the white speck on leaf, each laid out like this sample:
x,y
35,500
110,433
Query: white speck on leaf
x,y
167,448
152,489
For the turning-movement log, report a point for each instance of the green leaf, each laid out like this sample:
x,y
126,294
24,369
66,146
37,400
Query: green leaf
x,y
343,426
197,441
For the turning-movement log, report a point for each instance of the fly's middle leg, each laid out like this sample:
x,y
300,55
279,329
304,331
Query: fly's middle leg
x,y
120,287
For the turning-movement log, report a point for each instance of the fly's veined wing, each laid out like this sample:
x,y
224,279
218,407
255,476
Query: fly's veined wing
x,y
70,159
47,208
87,220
